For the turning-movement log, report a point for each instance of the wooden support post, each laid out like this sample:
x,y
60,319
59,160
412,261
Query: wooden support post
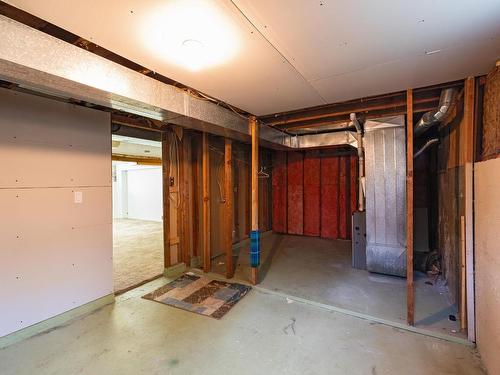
x,y
254,131
184,194
206,203
410,297
228,207
463,323
195,191
469,115
165,162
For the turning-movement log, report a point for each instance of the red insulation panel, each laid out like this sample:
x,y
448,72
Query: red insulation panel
x,y
330,197
312,190
279,192
314,194
295,219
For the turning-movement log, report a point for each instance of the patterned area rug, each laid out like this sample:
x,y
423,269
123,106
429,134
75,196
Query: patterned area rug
x,y
200,295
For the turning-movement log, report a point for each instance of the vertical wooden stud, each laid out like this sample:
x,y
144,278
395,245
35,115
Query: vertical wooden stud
x,y
469,115
180,202
463,323
254,131
185,198
206,202
165,163
228,207
410,297
196,158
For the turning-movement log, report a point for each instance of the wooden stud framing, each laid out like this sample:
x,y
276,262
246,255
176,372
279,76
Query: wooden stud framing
x,y
141,160
228,207
196,207
206,202
254,131
469,103
180,200
137,122
165,159
463,323
184,194
410,297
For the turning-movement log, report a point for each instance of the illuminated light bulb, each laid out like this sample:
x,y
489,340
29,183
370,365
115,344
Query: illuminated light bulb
x,y
193,34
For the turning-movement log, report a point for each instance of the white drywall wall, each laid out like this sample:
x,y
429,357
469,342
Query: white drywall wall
x,y
55,253
144,193
487,254
137,192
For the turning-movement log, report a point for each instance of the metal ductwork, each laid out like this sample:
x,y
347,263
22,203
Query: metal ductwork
x,y
361,162
44,64
385,162
431,118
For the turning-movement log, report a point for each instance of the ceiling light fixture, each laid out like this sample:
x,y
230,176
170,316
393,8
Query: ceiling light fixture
x,y
192,34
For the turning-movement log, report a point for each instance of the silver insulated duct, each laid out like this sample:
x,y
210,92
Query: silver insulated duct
x,y
385,170
433,117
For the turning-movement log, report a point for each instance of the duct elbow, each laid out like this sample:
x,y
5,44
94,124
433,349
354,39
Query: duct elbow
x,y
431,118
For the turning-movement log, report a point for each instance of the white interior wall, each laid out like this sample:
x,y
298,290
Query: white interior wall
x,y
144,193
55,199
487,254
137,192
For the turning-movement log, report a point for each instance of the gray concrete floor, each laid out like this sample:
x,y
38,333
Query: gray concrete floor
x,y
262,334
320,270
137,251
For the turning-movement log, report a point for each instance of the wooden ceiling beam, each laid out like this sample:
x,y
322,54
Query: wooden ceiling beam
x,y
421,106
141,160
379,102
360,111
138,122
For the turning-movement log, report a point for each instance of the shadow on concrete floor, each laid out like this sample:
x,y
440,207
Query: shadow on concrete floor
x,y
320,270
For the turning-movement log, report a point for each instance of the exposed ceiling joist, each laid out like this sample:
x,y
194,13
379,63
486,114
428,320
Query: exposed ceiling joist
x,y
138,122
426,98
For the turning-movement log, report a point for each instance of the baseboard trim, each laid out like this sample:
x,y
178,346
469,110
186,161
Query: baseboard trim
x,y
175,270
55,321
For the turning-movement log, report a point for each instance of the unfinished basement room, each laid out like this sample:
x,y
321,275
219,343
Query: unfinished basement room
x,y
250,187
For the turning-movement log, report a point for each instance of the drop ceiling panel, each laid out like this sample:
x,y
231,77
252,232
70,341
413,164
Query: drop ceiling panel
x,y
292,54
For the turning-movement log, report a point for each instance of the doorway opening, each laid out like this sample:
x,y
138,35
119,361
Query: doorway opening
x,y
137,211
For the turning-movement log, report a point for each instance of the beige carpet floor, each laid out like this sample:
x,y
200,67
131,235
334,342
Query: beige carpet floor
x,y
137,251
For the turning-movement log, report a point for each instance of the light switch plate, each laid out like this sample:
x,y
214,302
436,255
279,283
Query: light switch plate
x,y
78,197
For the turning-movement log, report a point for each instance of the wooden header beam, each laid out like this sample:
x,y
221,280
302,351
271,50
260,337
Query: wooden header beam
x,y
138,122
410,296
141,160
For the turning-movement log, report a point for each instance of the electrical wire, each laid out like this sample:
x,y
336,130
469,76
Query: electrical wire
x,y
174,165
